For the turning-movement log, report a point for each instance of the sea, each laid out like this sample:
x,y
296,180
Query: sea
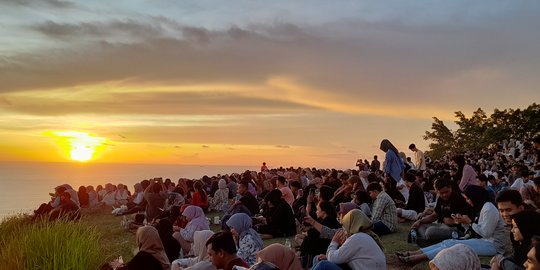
x,y
25,185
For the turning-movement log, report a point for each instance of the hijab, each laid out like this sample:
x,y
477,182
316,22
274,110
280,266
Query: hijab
x,y
148,241
196,216
527,223
281,256
199,244
356,221
222,184
241,223
457,257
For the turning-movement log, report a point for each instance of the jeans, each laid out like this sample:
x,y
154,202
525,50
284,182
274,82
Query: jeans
x,y
480,246
323,265
380,229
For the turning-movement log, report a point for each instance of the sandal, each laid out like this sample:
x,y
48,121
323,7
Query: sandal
x,y
403,253
407,260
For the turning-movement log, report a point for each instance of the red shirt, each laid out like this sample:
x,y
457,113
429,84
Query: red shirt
x,y
197,200
236,262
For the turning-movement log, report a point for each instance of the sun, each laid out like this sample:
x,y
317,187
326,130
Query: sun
x,y
80,145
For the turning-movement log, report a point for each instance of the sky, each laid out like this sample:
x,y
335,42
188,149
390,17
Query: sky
x,y
291,83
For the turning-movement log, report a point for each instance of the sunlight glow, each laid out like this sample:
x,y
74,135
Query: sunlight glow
x,y
82,146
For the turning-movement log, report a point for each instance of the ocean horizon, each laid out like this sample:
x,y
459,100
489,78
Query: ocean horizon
x,y
25,185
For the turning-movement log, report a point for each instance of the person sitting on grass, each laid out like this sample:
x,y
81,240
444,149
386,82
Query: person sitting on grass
x,y
151,255
171,245
220,201
247,240
222,251
384,213
201,261
449,202
486,234
200,198
196,221
278,218
355,246
524,228
155,195
416,203
313,244
67,209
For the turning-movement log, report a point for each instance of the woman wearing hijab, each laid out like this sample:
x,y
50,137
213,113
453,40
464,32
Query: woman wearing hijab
x,y
248,241
280,255
457,257
393,165
196,221
466,174
355,247
220,200
486,234
151,255
202,260
524,227
171,245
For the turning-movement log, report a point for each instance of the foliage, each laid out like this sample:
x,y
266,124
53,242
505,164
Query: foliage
x,y
40,244
480,131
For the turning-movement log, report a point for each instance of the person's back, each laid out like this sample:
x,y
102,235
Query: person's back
x,y
359,252
142,261
155,199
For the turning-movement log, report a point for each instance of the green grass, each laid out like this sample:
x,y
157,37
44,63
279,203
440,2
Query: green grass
x,y
99,238
40,244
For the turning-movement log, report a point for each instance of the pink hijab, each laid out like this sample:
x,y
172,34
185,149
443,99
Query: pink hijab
x,y
197,217
281,256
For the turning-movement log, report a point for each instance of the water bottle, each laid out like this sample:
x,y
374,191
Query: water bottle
x,y
288,243
455,235
414,236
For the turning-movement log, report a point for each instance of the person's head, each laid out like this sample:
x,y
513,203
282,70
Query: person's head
x,y
264,163
65,196
456,257
536,185
239,223
280,255
243,187
325,193
281,181
221,249
412,147
476,196
273,198
444,189
410,179
483,179
373,190
525,226
536,142
295,186
120,186
361,197
533,257
387,145
509,202
459,160
325,209
192,212
375,157
356,221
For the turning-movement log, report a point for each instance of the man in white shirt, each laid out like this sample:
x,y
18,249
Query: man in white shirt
x,y
419,159
523,179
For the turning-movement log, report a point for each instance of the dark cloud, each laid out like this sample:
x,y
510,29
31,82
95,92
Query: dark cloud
x,y
205,146
98,30
282,146
44,3
376,63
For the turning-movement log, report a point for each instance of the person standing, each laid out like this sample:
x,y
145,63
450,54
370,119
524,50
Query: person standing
x,y
375,164
419,158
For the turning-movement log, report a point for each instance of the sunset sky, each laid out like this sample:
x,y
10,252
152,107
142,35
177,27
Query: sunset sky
x,y
292,83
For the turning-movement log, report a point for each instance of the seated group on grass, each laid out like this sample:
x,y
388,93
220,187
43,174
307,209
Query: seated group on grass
x,y
461,205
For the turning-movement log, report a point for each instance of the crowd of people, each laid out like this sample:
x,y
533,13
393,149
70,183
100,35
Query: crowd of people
x,y
462,205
